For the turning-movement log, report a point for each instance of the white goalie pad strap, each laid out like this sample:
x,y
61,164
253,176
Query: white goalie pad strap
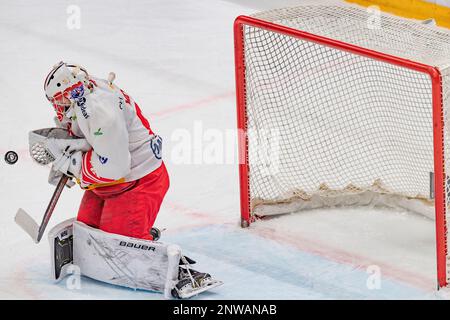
x,y
61,233
125,261
173,256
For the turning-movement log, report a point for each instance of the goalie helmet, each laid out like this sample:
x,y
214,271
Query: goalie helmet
x,y
64,83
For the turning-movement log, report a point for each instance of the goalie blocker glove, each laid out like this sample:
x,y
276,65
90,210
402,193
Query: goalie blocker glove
x,y
58,146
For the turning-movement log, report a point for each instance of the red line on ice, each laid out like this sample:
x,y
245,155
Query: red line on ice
x,y
194,104
341,256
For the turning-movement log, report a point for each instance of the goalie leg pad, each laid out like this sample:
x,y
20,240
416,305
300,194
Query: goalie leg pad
x,y
114,259
125,261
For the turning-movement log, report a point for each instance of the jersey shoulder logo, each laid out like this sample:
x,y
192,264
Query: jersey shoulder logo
x,y
156,146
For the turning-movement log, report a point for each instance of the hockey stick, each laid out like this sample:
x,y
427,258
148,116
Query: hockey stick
x,y
27,223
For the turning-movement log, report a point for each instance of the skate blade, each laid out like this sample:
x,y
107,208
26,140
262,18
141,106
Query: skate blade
x,y
210,285
27,223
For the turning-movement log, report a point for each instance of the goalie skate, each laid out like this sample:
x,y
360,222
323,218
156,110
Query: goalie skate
x,y
192,283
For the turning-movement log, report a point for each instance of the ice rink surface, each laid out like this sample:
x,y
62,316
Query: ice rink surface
x,y
175,57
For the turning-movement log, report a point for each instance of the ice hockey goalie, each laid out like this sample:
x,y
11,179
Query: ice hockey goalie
x,y
120,166
117,159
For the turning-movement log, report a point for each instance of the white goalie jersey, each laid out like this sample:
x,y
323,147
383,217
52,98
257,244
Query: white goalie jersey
x,y
124,147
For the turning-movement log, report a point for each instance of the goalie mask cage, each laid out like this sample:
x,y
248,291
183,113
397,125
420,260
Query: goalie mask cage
x,y
339,106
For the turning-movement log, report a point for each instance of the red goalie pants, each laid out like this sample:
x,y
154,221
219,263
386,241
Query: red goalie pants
x,y
128,209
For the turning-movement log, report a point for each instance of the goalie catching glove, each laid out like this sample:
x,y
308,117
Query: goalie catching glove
x,y
57,146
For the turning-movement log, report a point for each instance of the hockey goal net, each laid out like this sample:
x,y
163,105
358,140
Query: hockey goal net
x,y
338,106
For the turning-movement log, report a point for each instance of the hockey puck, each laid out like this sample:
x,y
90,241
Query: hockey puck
x,y
11,157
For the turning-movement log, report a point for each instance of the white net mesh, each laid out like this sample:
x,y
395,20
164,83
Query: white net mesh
x,y
340,121
328,127
368,29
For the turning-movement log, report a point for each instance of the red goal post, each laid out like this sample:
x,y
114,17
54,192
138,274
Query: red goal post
x,y
247,214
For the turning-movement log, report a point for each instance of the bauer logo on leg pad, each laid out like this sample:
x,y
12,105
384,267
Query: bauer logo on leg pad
x,y
136,246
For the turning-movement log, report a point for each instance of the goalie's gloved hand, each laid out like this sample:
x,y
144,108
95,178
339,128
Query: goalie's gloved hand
x,y
55,145
68,162
61,149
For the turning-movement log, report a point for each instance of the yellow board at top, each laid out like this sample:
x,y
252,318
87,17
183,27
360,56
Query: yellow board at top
x,y
414,9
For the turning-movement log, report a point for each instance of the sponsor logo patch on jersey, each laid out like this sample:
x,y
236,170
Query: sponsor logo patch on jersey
x,y
77,92
98,132
102,160
81,103
121,103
